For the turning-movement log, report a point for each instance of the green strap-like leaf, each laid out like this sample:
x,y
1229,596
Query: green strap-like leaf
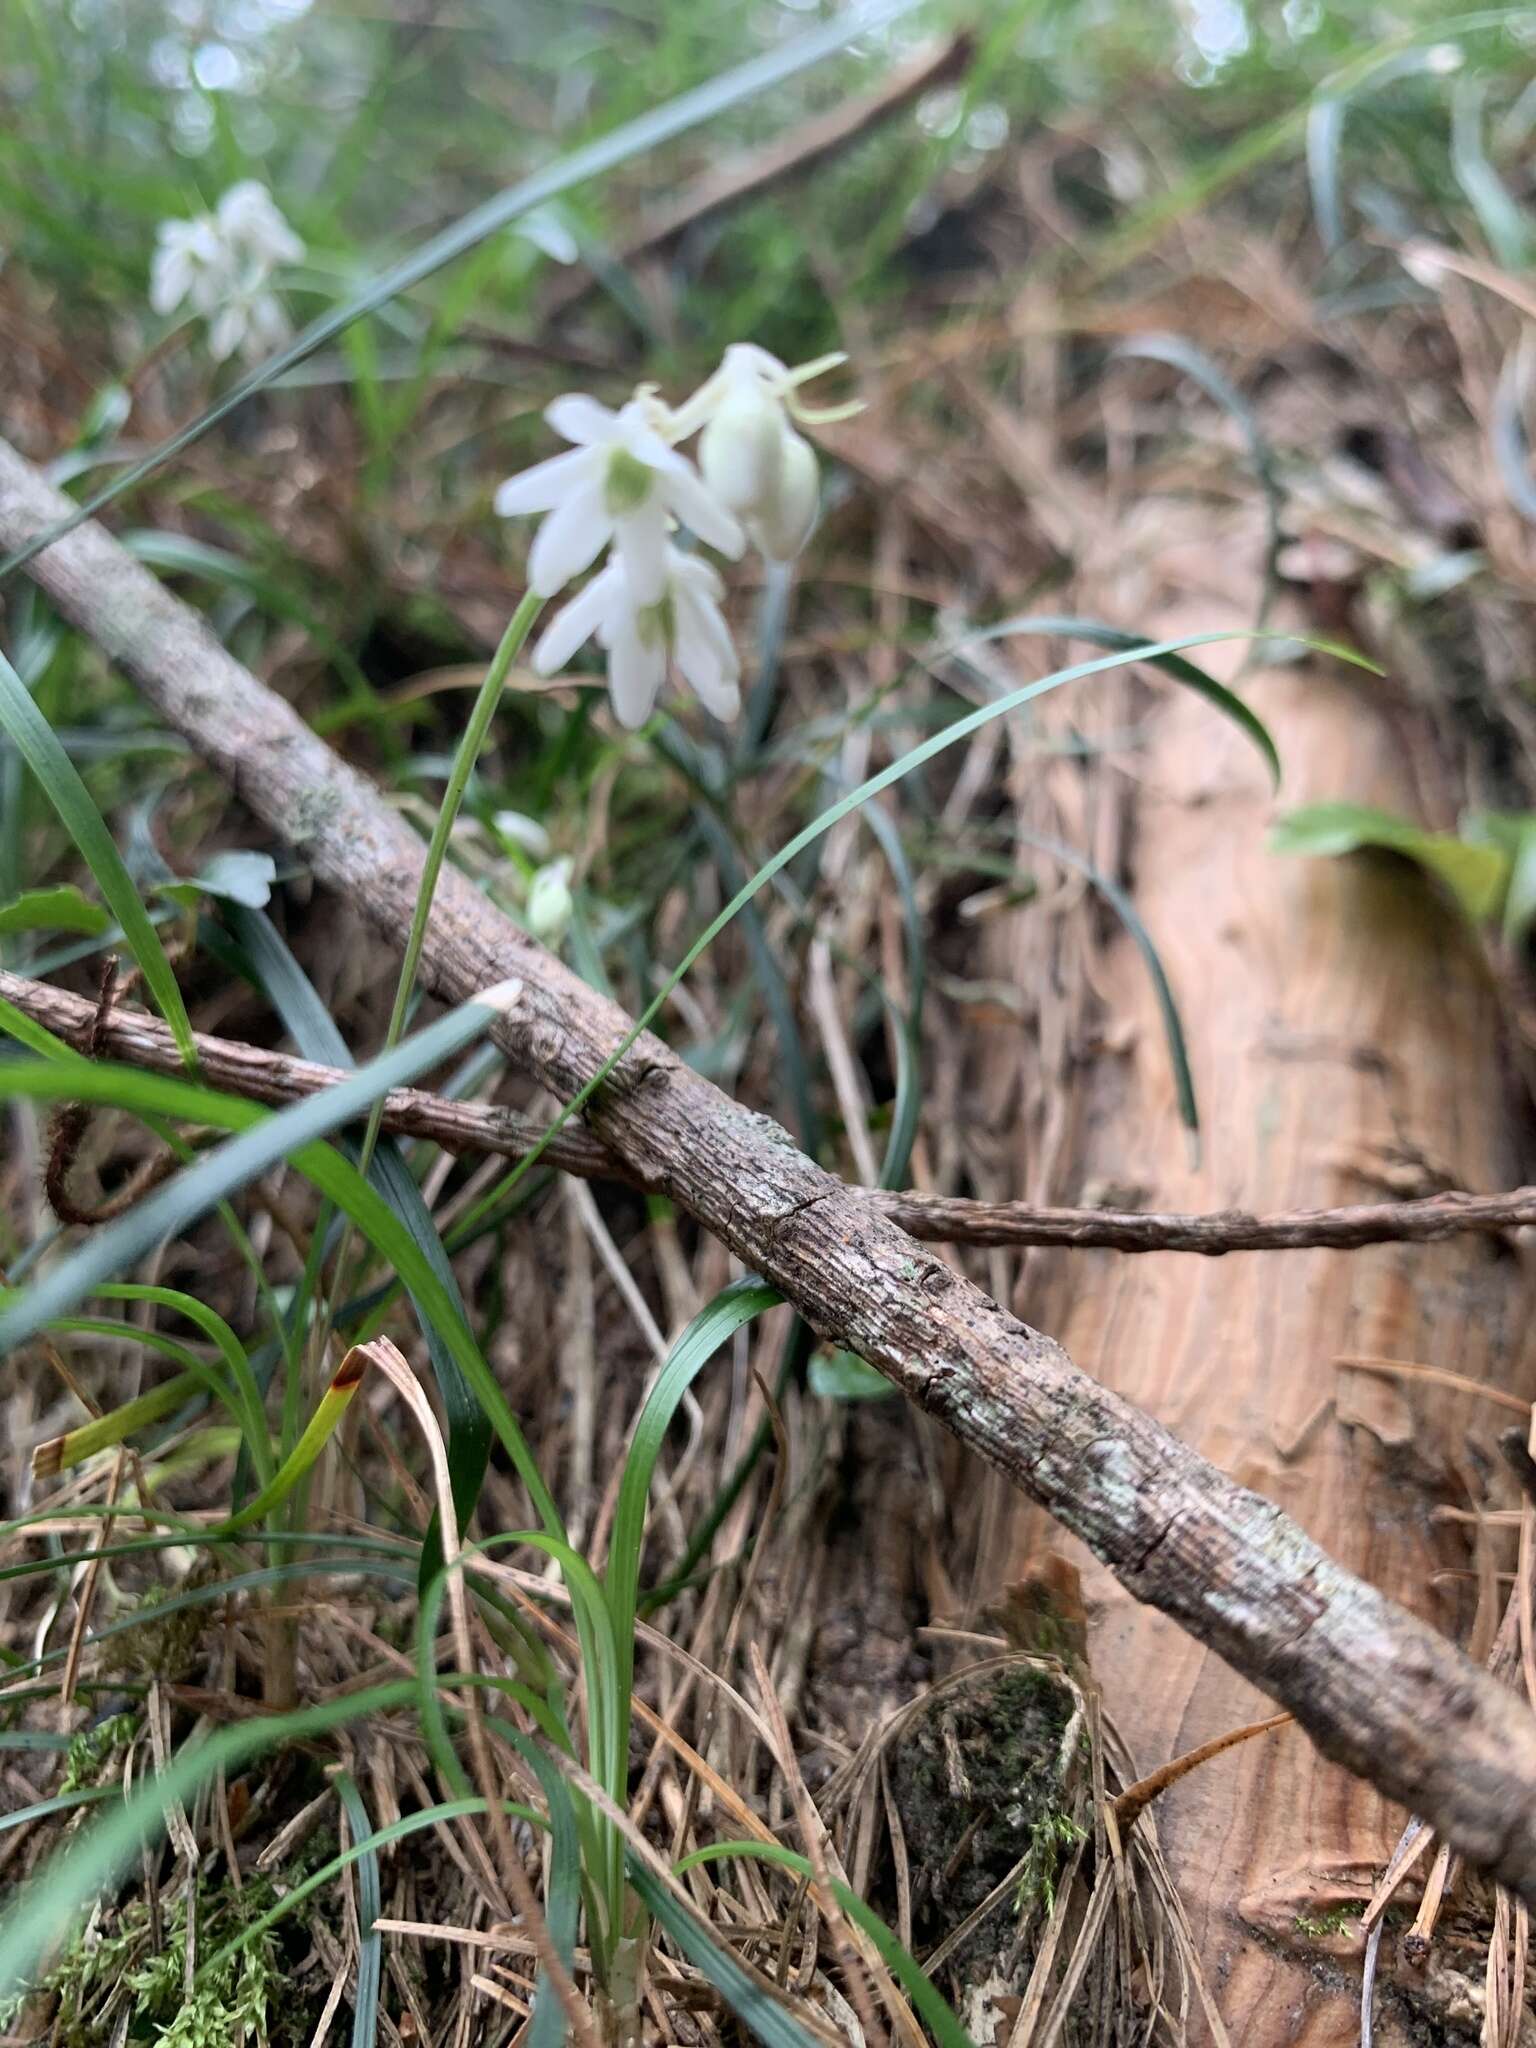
x,y
755,2003
36,742
370,1904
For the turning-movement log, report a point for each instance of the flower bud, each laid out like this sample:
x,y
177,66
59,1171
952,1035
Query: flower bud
x,y
549,905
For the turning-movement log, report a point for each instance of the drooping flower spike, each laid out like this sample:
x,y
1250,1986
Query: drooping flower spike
x,y
624,482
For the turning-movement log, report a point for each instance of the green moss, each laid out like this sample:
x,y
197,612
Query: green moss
x,y
162,1646
1326,1926
977,1777
89,1750
243,2002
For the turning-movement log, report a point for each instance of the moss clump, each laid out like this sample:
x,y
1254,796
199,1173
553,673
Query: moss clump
x,y
1328,1926
232,2007
162,1646
977,1776
90,1749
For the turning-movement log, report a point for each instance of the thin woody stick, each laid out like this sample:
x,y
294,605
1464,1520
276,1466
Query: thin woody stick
x,y
1376,1688
276,1077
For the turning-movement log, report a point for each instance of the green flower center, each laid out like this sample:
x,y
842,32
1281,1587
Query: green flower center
x,y
657,622
627,484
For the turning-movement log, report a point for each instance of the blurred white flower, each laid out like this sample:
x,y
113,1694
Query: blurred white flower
x,y
549,905
620,482
641,633
221,266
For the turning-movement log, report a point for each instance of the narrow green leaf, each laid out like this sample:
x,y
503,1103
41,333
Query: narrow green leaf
x,y
1097,634
369,1845
314,1032
1141,938
1501,217
60,780
1182,355
154,1094
755,2003
711,1327
370,1904
221,1172
914,758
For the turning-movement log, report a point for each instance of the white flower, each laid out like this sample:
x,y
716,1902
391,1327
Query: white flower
x,y
620,482
549,905
221,265
682,621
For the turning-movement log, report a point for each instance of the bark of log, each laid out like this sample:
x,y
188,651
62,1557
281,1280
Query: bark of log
x,y
1376,1688
1356,1037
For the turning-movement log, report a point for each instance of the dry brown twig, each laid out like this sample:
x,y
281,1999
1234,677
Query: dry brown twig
x,y
276,1077
1376,1688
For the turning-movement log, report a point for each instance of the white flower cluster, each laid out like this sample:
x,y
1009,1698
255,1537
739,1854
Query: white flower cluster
x,y
624,484
221,264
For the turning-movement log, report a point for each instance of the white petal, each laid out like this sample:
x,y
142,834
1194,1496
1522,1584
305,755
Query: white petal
x,y
576,622
581,419
783,525
740,451
683,493
635,673
697,574
644,549
248,215
269,323
241,202
712,670
170,279
569,540
645,444
541,488
227,331
702,616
